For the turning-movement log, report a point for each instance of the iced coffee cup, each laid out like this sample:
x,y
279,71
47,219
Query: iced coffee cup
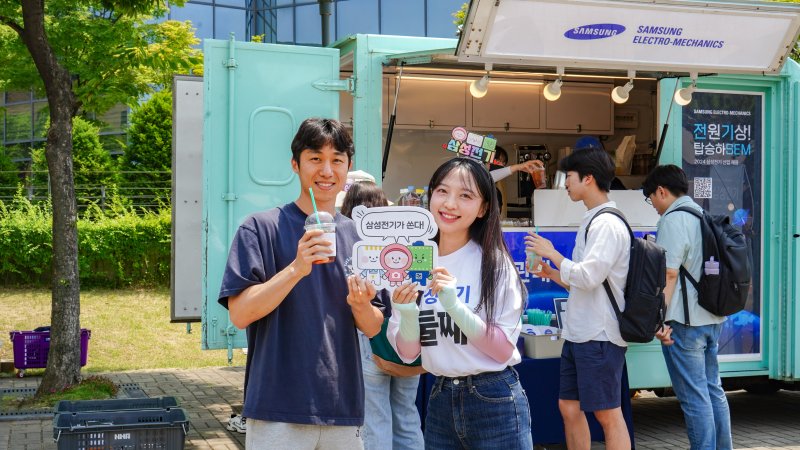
x,y
324,221
539,177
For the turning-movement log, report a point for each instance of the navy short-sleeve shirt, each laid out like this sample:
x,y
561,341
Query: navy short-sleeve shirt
x,y
303,358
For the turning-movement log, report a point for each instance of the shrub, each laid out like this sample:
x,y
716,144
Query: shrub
x,y
147,163
93,168
9,174
118,248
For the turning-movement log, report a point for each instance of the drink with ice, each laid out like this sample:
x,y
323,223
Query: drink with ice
x,y
324,221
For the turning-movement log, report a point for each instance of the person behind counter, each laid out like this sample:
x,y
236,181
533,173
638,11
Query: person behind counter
x,y
391,419
466,327
585,142
593,356
502,171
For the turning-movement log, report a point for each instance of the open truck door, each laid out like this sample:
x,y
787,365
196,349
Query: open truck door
x,y
256,96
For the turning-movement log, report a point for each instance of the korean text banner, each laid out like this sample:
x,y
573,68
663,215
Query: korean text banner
x,y
722,147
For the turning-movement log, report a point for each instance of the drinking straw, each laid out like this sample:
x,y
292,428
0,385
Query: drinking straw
x,y
314,204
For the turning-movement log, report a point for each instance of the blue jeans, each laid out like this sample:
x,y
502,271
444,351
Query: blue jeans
x,y
484,411
391,419
694,371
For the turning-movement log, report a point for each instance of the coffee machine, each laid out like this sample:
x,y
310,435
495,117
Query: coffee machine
x,y
527,153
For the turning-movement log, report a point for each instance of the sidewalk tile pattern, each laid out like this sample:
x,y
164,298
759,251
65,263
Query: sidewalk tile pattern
x,y
210,395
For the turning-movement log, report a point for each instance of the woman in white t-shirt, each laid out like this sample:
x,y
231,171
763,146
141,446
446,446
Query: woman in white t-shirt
x,y
467,323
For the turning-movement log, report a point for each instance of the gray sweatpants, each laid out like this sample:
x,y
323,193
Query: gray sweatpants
x,y
264,435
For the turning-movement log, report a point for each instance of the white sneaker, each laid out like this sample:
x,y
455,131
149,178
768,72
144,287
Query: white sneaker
x,y
237,423
244,350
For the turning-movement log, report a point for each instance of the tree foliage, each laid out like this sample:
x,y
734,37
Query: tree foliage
x,y
147,163
8,174
460,17
93,167
86,56
113,50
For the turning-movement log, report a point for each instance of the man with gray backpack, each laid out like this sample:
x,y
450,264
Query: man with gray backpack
x,y
706,265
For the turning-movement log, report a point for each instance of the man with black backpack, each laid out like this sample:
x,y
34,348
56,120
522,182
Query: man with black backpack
x,y
690,340
593,356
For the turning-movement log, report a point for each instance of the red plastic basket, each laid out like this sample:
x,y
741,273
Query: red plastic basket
x,y
31,348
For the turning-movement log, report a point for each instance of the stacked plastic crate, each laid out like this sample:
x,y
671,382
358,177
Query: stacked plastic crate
x,y
138,423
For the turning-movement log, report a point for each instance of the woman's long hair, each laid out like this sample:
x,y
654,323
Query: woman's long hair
x,y
364,193
486,230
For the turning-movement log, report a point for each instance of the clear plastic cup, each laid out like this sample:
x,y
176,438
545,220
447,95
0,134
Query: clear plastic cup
x,y
328,227
539,177
533,262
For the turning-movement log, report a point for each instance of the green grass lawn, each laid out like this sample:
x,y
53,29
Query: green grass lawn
x,y
130,329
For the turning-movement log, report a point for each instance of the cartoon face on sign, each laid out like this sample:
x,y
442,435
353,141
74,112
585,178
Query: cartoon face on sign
x,y
396,258
369,256
421,263
386,256
421,257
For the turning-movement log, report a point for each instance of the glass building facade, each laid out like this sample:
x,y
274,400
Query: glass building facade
x,y
24,114
298,21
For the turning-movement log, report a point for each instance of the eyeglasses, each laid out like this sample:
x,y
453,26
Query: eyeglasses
x,y
649,201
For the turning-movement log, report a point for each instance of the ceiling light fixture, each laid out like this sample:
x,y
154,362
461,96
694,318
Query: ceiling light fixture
x,y
478,88
620,94
552,91
684,96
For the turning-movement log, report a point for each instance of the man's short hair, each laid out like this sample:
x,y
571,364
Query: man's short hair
x,y
315,133
670,177
590,161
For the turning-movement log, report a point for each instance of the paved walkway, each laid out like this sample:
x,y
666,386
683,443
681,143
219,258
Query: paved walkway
x,y
209,395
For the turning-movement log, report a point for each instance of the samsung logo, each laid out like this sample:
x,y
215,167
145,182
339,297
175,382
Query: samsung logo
x,y
595,31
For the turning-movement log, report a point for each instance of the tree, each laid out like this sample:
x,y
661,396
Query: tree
x,y
85,55
92,165
147,163
460,17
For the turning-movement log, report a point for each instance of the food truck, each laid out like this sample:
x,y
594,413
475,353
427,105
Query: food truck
x,y
707,86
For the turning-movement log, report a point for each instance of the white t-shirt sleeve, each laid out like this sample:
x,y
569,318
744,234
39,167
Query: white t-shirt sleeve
x,y
500,174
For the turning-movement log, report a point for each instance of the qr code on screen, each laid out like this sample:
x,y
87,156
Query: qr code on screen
x,y
702,188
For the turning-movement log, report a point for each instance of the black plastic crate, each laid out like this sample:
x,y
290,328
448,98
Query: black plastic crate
x,y
117,404
121,430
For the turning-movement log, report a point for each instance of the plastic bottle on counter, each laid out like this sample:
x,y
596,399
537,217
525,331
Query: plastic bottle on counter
x,y
424,200
420,193
401,199
410,198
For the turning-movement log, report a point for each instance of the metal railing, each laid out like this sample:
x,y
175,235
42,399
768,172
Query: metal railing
x,y
150,194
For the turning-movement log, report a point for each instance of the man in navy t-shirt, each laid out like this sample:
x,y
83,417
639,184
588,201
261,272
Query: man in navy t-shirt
x,y
304,388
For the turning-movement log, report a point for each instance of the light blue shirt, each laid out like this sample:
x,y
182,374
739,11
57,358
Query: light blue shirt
x,y
679,234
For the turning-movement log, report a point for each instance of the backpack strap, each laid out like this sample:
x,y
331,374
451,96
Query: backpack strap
x,y
684,274
606,285
685,296
608,210
612,298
